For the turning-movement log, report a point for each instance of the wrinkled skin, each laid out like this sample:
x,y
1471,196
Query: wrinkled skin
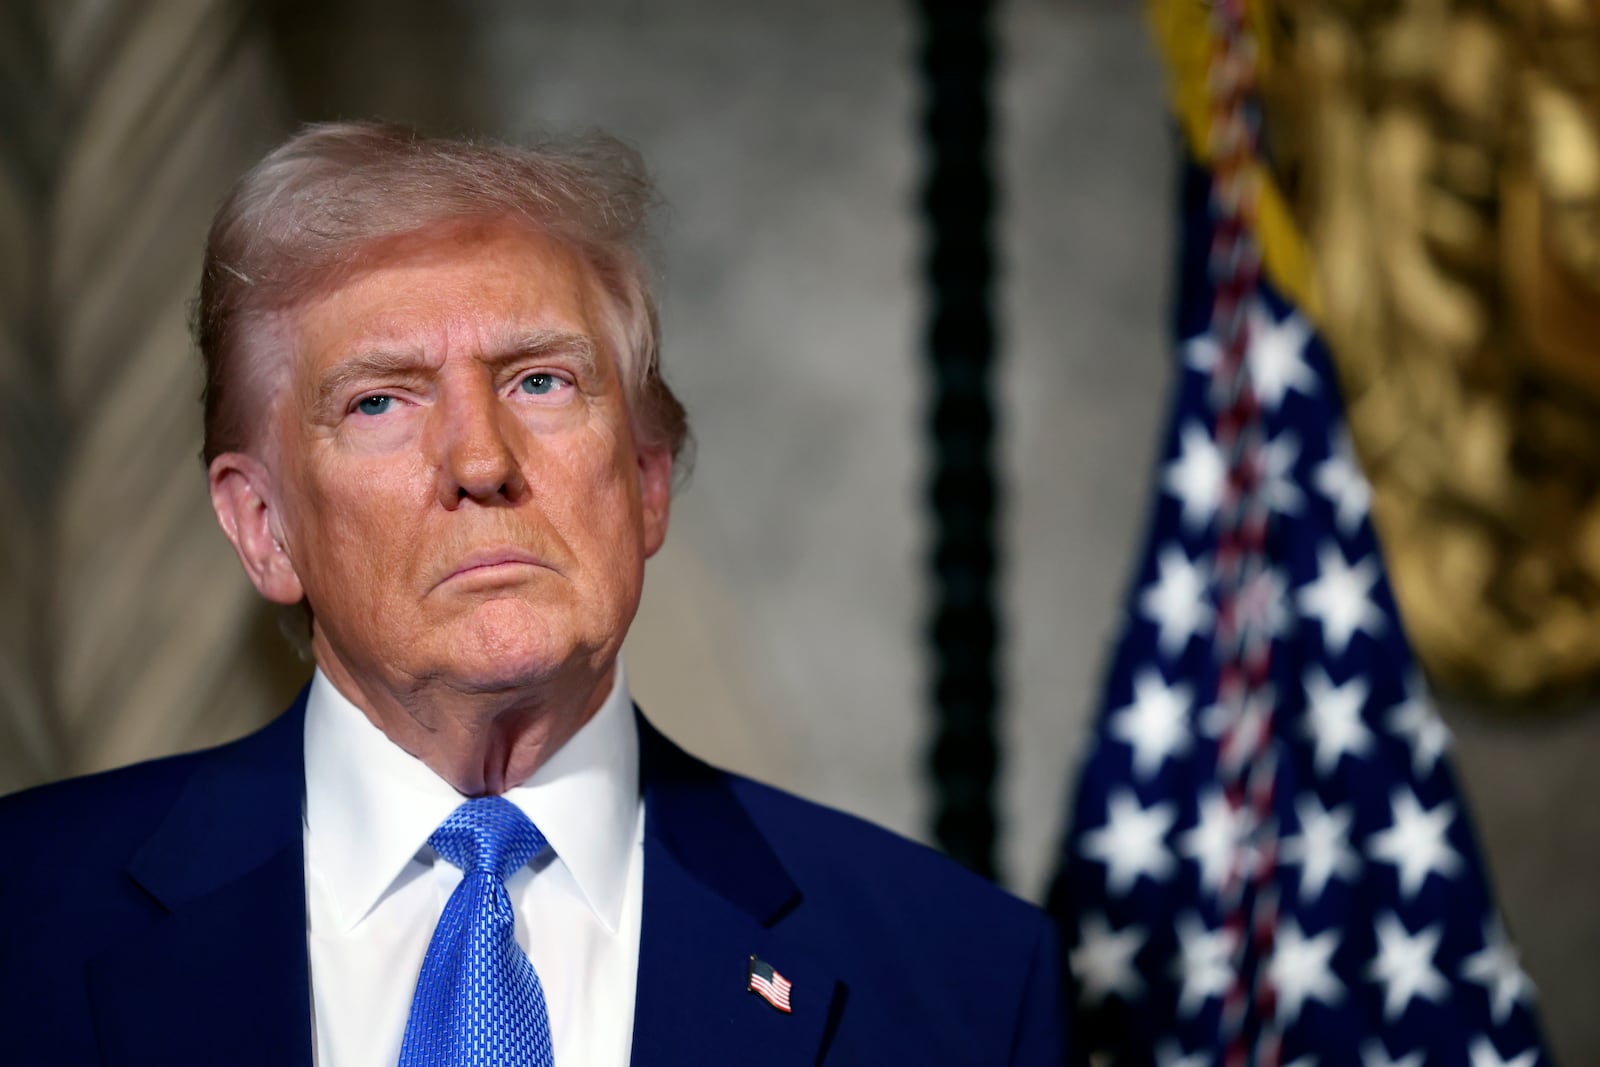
x,y
451,482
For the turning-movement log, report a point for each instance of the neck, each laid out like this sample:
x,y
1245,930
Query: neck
x,y
480,743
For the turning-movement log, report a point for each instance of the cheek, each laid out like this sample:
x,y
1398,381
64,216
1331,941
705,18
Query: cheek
x,y
356,536
598,510
610,481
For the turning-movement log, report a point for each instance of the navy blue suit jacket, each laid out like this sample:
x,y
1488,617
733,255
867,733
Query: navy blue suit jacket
x,y
156,915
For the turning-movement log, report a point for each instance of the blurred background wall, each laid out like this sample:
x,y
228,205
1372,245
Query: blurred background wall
x,y
781,632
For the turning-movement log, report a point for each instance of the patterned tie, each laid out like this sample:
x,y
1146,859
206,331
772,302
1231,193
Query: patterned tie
x,y
478,1001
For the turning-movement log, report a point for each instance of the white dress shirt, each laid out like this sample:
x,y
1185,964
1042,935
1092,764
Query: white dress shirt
x,y
375,889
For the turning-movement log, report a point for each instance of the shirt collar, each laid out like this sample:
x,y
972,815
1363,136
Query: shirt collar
x,y
371,805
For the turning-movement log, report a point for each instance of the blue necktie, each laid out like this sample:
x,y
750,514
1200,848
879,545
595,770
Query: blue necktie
x,y
478,1001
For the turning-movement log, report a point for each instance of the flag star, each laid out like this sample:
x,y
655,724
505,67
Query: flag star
x,y
1333,719
1484,1054
1373,1054
1415,841
1277,356
1419,724
1156,724
1204,964
1301,970
1278,485
1496,968
1201,352
1218,833
1321,848
1404,964
1132,842
1339,479
1103,960
1197,476
1340,598
1170,1054
1177,601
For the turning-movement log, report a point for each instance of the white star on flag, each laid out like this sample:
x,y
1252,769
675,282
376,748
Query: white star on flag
x,y
1373,1054
1200,353
1484,1054
1177,602
1217,832
1132,842
1197,476
1103,960
1204,964
1276,357
1415,841
1404,964
1339,479
1156,724
1301,970
1339,598
1333,718
1496,968
1321,848
1419,724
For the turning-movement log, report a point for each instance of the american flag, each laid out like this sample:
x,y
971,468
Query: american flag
x,y
771,986
1282,872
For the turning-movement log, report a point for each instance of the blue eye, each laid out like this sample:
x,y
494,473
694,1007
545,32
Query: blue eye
x,y
538,384
374,405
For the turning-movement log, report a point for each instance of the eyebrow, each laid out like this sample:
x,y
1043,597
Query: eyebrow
x,y
576,348
411,365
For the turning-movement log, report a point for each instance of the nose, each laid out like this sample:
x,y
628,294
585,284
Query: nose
x,y
476,459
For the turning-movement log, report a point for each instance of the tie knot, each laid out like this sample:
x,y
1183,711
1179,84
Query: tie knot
x,y
488,834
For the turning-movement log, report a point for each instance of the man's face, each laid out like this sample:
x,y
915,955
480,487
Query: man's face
x,y
456,485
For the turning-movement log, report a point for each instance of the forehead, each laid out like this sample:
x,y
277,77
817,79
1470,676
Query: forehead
x,y
461,288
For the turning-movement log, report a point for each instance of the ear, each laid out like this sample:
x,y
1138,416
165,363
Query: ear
x,y
242,497
655,495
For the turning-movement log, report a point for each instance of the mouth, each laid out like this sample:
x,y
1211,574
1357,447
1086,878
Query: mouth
x,y
493,565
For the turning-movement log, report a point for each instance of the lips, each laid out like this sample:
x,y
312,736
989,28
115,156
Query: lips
x,y
490,561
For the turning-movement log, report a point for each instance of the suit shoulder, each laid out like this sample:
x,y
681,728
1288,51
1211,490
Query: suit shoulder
x,y
103,817
842,864
95,804
848,853
81,835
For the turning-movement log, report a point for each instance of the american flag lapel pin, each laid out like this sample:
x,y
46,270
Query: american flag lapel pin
x,y
769,985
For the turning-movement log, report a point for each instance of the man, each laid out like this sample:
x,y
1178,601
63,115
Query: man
x,y
435,424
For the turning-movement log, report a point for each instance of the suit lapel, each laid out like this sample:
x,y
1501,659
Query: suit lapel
x,y
714,895
223,975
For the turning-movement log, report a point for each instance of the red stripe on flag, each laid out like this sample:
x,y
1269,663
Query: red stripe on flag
x,y
775,992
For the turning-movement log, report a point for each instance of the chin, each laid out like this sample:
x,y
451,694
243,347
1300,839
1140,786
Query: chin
x,y
507,646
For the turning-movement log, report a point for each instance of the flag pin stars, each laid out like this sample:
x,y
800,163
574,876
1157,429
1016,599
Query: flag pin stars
x,y
769,985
